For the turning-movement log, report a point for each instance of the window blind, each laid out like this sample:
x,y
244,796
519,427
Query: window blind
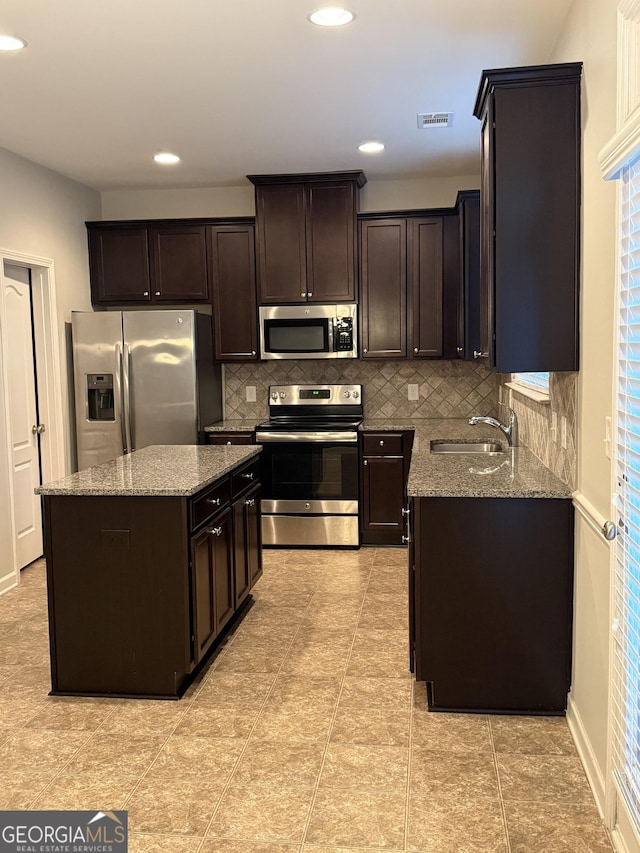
x,y
539,381
626,626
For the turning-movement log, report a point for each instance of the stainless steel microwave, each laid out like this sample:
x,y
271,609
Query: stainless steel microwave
x,y
308,331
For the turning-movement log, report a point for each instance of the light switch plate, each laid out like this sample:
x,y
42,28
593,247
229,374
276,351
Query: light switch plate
x,y
251,393
413,392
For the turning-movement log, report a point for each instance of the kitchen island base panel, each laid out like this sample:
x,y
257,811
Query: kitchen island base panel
x,y
118,594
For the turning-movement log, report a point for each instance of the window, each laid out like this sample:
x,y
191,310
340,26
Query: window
x,y
539,381
626,657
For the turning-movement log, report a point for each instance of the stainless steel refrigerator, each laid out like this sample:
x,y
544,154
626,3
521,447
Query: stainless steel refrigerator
x,y
142,377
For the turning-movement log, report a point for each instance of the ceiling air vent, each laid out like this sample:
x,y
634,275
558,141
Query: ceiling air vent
x,y
426,120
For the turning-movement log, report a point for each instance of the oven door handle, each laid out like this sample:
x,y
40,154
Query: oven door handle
x,y
323,437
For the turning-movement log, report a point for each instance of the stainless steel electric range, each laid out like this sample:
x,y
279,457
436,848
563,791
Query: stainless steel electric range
x,y
310,466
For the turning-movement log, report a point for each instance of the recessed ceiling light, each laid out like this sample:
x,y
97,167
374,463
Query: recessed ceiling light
x,y
371,147
166,158
331,16
11,43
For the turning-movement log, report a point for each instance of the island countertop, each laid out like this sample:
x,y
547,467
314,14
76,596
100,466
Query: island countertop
x,y
159,470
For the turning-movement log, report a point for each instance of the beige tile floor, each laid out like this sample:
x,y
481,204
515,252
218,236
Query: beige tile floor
x,y
305,734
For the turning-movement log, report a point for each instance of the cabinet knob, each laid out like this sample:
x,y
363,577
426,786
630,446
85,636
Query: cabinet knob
x,y
415,349
228,442
247,476
381,442
146,293
214,531
158,293
405,511
459,350
253,352
365,462
309,294
478,354
250,502
406,540
365,350
214,501
303,294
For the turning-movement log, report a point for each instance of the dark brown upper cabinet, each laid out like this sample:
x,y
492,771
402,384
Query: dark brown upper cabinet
x,y
306,236
119,264
178,255
409,271
147,262
468,307
232,282
530,216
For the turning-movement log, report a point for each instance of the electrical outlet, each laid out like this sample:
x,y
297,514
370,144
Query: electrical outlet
x,y
563,432
554,426
251,393
413,392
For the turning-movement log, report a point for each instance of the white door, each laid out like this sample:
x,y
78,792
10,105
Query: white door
x,y
22,412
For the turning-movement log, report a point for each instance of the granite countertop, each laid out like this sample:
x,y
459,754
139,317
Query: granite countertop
x,y
159,470
234,425
517,473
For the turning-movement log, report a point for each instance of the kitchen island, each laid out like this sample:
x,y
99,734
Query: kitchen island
x,y
149,558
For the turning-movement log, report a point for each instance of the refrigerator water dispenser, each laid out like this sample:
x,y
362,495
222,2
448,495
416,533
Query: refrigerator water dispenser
x,y
100,397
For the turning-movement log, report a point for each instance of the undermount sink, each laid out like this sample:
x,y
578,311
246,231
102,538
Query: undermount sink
x,y
491,447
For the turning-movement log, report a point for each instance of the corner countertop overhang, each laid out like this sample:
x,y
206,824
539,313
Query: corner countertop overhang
x,y
159,470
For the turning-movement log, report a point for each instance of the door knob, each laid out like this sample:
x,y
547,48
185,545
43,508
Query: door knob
x,y
39,429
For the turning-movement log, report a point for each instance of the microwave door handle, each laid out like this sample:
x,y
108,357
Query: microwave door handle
x,y
332,325
120,396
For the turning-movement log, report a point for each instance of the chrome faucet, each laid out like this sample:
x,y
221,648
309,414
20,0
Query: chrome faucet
x,y
510,429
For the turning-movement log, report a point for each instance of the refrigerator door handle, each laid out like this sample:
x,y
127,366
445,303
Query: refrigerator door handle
x,y
129,397
120,396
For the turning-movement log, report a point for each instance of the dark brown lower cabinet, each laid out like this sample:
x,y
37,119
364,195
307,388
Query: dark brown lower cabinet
x,y
213,581
491,603
140,588
247,539
385,461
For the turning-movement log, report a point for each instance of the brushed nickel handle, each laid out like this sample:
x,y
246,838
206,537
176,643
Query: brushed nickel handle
x,y
214,501
228,442
37,430
365,350
609,530
406,539
303,294
309,294
459,350
381,442
158,293
214,531
365,462
145,293
415,349
405,511
248,476
250,502
478,354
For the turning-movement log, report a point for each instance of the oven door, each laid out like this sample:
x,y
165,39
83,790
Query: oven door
x,y
310,492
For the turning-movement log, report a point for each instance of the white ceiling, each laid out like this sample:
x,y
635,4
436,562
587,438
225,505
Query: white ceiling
x,y
251,87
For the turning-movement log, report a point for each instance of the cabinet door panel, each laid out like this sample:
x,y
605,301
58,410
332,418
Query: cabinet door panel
x,y
119,261
204,612
330,242
383,293
222,555
254,536
425,287
179,264
383,499
232,279
242,576
280,222
486,243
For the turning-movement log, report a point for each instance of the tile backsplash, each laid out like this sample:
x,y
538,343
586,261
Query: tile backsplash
x,y
447,389
534,424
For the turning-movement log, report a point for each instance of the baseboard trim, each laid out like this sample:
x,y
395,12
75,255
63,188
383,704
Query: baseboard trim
x,y
595,775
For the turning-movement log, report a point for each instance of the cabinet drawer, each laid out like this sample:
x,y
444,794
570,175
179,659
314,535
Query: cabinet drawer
x,y
230,438
382,443
245,476
209,502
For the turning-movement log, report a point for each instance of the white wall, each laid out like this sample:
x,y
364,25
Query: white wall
x,y
589,34
42,214
405,194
